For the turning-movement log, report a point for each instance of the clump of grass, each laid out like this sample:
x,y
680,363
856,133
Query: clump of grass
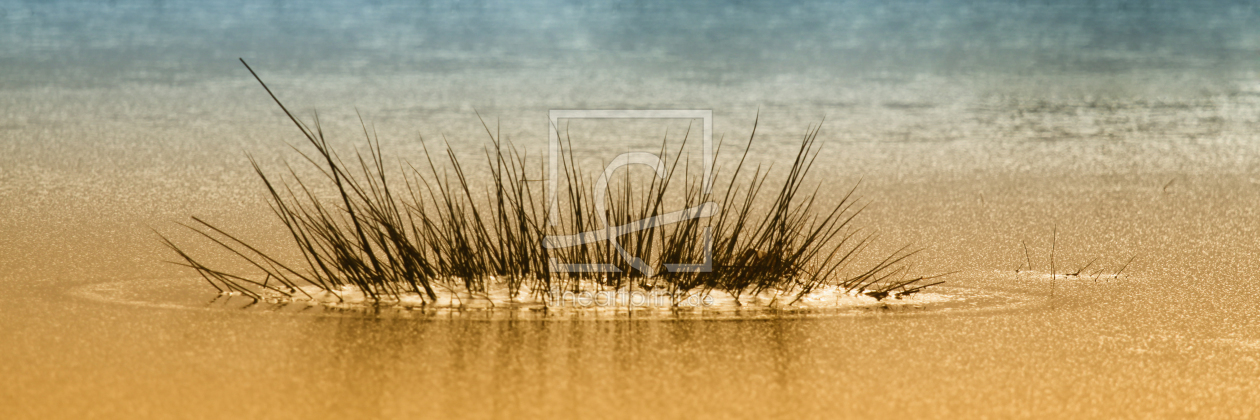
x,y
433,229
1082,272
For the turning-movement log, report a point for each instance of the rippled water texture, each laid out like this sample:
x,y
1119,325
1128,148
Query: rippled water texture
x,y
1126,131
605,305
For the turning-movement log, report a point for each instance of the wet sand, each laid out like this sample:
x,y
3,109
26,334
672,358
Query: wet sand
x,y
1154,161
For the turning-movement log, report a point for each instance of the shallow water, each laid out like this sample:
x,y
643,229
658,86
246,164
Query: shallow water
x,y
600,305
1130,129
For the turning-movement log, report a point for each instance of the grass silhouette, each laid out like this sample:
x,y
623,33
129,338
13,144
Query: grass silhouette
x,y
434,229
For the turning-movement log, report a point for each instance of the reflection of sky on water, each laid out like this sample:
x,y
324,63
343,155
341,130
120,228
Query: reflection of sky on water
x,y
705,42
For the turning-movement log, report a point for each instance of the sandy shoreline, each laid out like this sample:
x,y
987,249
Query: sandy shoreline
x,y
1178,332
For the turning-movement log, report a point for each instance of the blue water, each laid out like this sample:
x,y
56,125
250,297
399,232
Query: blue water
x,y
707,42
